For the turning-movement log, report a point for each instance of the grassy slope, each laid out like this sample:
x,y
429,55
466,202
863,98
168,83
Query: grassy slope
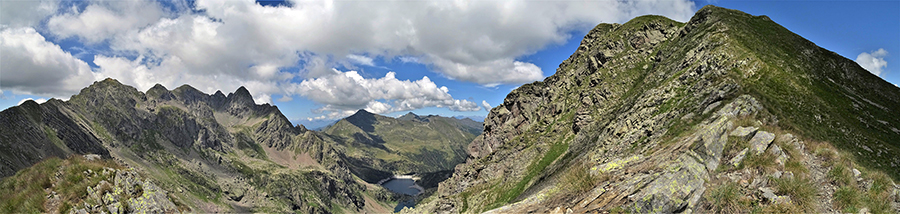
x,y
818,93
405,146
25,191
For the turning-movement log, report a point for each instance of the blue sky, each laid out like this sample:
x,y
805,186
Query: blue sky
x,y
322,60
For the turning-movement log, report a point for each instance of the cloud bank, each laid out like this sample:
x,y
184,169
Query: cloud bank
x,y
220,45
874,61
345,92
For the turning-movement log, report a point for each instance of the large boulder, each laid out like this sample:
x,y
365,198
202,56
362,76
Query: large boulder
x,y
744,133
761,141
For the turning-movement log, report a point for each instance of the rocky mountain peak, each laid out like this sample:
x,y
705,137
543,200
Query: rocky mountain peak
x,y
158,87
159,91
363,119
240,98
361,113
413,117
109,91
188,94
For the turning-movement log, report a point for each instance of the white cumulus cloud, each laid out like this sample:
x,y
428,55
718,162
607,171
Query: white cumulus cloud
x,y
32,65
874,61
487,107
18,14
362,60
345,92
220,45
101,20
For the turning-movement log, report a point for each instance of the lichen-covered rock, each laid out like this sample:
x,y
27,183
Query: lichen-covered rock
x,y
760,142
744,133
712,142
127,187
680,187
739,157
780,155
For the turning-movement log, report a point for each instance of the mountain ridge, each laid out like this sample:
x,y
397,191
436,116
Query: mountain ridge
x,y
408,144
208,153
212,152
638,119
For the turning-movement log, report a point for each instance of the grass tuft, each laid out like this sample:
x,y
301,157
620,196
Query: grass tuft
x,y
801,190
846,199
727,198
840,175
579,178
764,162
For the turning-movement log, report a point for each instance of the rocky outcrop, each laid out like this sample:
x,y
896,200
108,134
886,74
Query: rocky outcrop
x,y
760,142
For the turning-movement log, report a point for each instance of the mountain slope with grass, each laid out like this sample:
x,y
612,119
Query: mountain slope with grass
x,y
726,113
408,144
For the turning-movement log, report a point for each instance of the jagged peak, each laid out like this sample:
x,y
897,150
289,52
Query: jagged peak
x,y
219,94
160,91
29,104
159,87
106,83
110,80
107,87
240,92
412,117
186,88
241,96
301,128
362,119
361,112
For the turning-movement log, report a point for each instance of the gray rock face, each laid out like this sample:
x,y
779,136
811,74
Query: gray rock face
x,y
739,157
714,139
126,187
744,133
780,155
761,141
153,200
678,188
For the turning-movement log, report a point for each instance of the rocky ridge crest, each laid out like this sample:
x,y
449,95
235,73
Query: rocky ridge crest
x,y
638,120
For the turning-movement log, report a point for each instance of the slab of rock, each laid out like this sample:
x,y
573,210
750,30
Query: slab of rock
x,y
713,138
783,199
153,200
739,157
761,141
680,186
92,157
744,133
780,156
768,193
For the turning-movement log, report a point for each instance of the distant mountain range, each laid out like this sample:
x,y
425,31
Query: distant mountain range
x,y
210,153
408,144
